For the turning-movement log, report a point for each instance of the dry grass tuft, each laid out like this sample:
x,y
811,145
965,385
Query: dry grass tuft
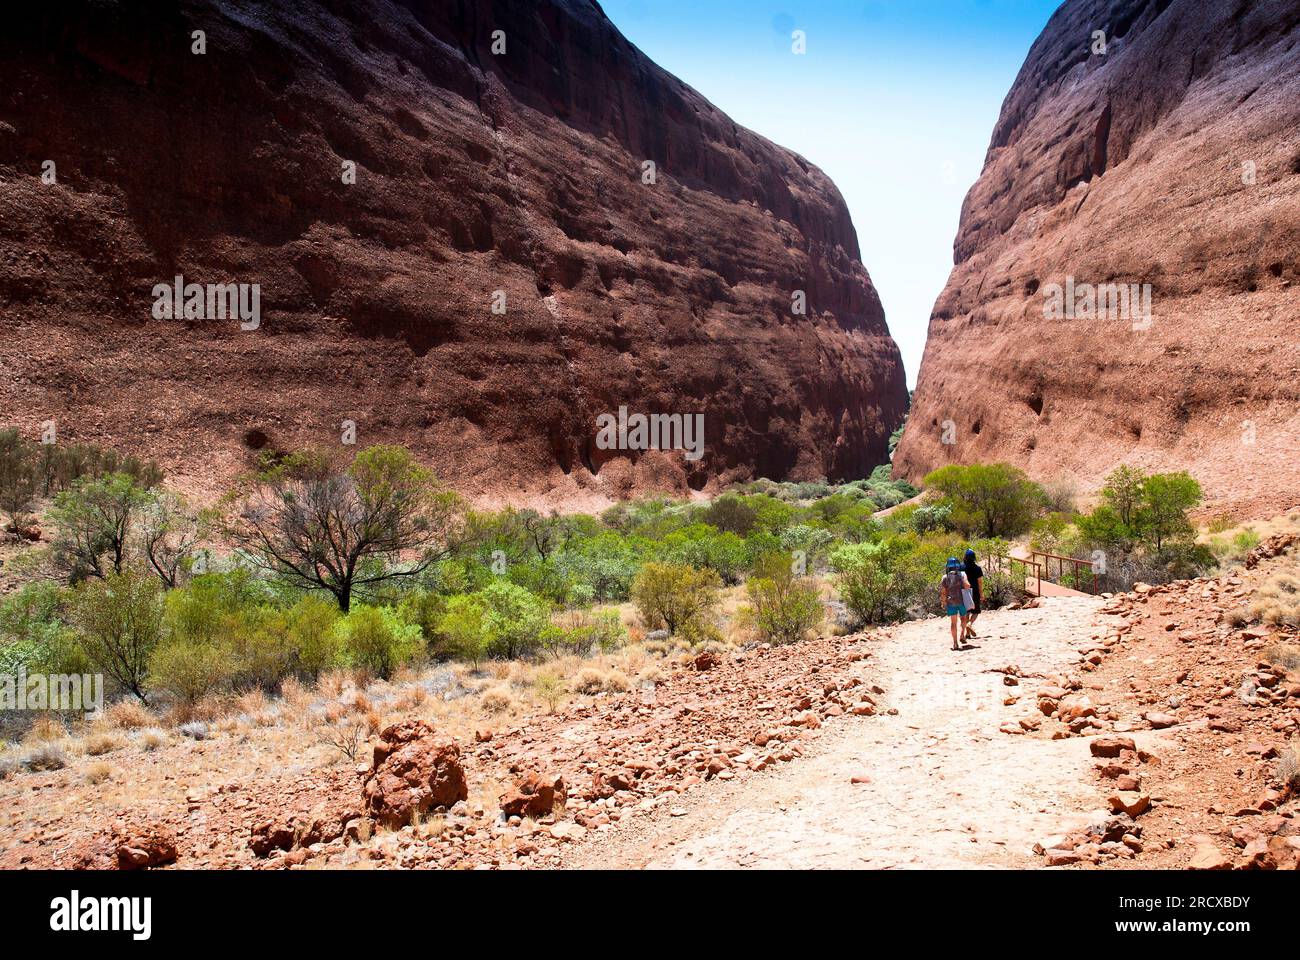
x,y
1284,655
98,772
1288,766
129,715
151,738
1277,601
45,729
47,756
102,742
497,699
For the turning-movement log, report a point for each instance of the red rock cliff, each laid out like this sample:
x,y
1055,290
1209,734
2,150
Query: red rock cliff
x,y
1172,159
475,173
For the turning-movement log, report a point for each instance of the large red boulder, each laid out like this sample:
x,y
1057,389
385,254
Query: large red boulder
x,y
414,770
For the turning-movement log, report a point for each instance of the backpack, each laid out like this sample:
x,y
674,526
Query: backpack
x,y
954,581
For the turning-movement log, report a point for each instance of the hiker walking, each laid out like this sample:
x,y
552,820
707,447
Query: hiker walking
x,y
974,575
952,585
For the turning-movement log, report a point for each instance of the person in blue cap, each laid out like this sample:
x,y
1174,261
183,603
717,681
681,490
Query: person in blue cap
x,y
975,576
951,589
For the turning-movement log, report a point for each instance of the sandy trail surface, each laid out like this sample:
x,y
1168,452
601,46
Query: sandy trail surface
x,y
939,785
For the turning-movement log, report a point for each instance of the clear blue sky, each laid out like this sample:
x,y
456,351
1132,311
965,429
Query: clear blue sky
x,y
894,99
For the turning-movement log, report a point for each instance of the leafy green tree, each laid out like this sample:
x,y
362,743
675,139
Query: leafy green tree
x,y
94,520
1167,498
989,499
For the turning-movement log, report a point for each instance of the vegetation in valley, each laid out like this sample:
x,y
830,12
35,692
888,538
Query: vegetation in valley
x,y
315,565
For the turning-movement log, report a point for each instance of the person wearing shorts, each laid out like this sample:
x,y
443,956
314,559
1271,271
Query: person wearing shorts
x,y
950,595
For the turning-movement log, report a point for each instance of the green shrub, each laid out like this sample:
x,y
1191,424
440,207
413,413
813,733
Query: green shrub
x,y
463,628
606,563
678,598
312,627
876,579
731,513
785,607
514,620
34,633
377,639
118,620
190,671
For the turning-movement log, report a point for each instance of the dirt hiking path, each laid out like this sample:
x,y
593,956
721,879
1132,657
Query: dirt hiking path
x,y
945,788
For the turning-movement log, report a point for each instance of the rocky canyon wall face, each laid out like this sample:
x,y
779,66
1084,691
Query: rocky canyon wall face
x,y
1164,164
513,180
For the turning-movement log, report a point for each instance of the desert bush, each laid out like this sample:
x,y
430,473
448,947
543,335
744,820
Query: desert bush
x,y
877,581
97,773
378,640
128,715
34,631
578,633
590,681
605,563
194,730
677,598
785,606
704,548
151,738
188,672
1284,655
1288,766
513,620
312,627
731,513
118,619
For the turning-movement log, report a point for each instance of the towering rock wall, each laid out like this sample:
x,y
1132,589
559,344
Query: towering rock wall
x,y
1171,162
482,178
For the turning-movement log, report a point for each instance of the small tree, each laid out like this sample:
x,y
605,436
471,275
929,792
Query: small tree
x,y
168,535
17,477
1167,498
119,619
989,499
675,597
785,606
383,517
93,521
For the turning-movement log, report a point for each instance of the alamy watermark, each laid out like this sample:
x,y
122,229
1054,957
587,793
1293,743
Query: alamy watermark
x,y
52,691
655,431
1102,301
213,301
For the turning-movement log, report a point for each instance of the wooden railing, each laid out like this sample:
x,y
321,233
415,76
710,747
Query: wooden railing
x,y
1080,581
1005,563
